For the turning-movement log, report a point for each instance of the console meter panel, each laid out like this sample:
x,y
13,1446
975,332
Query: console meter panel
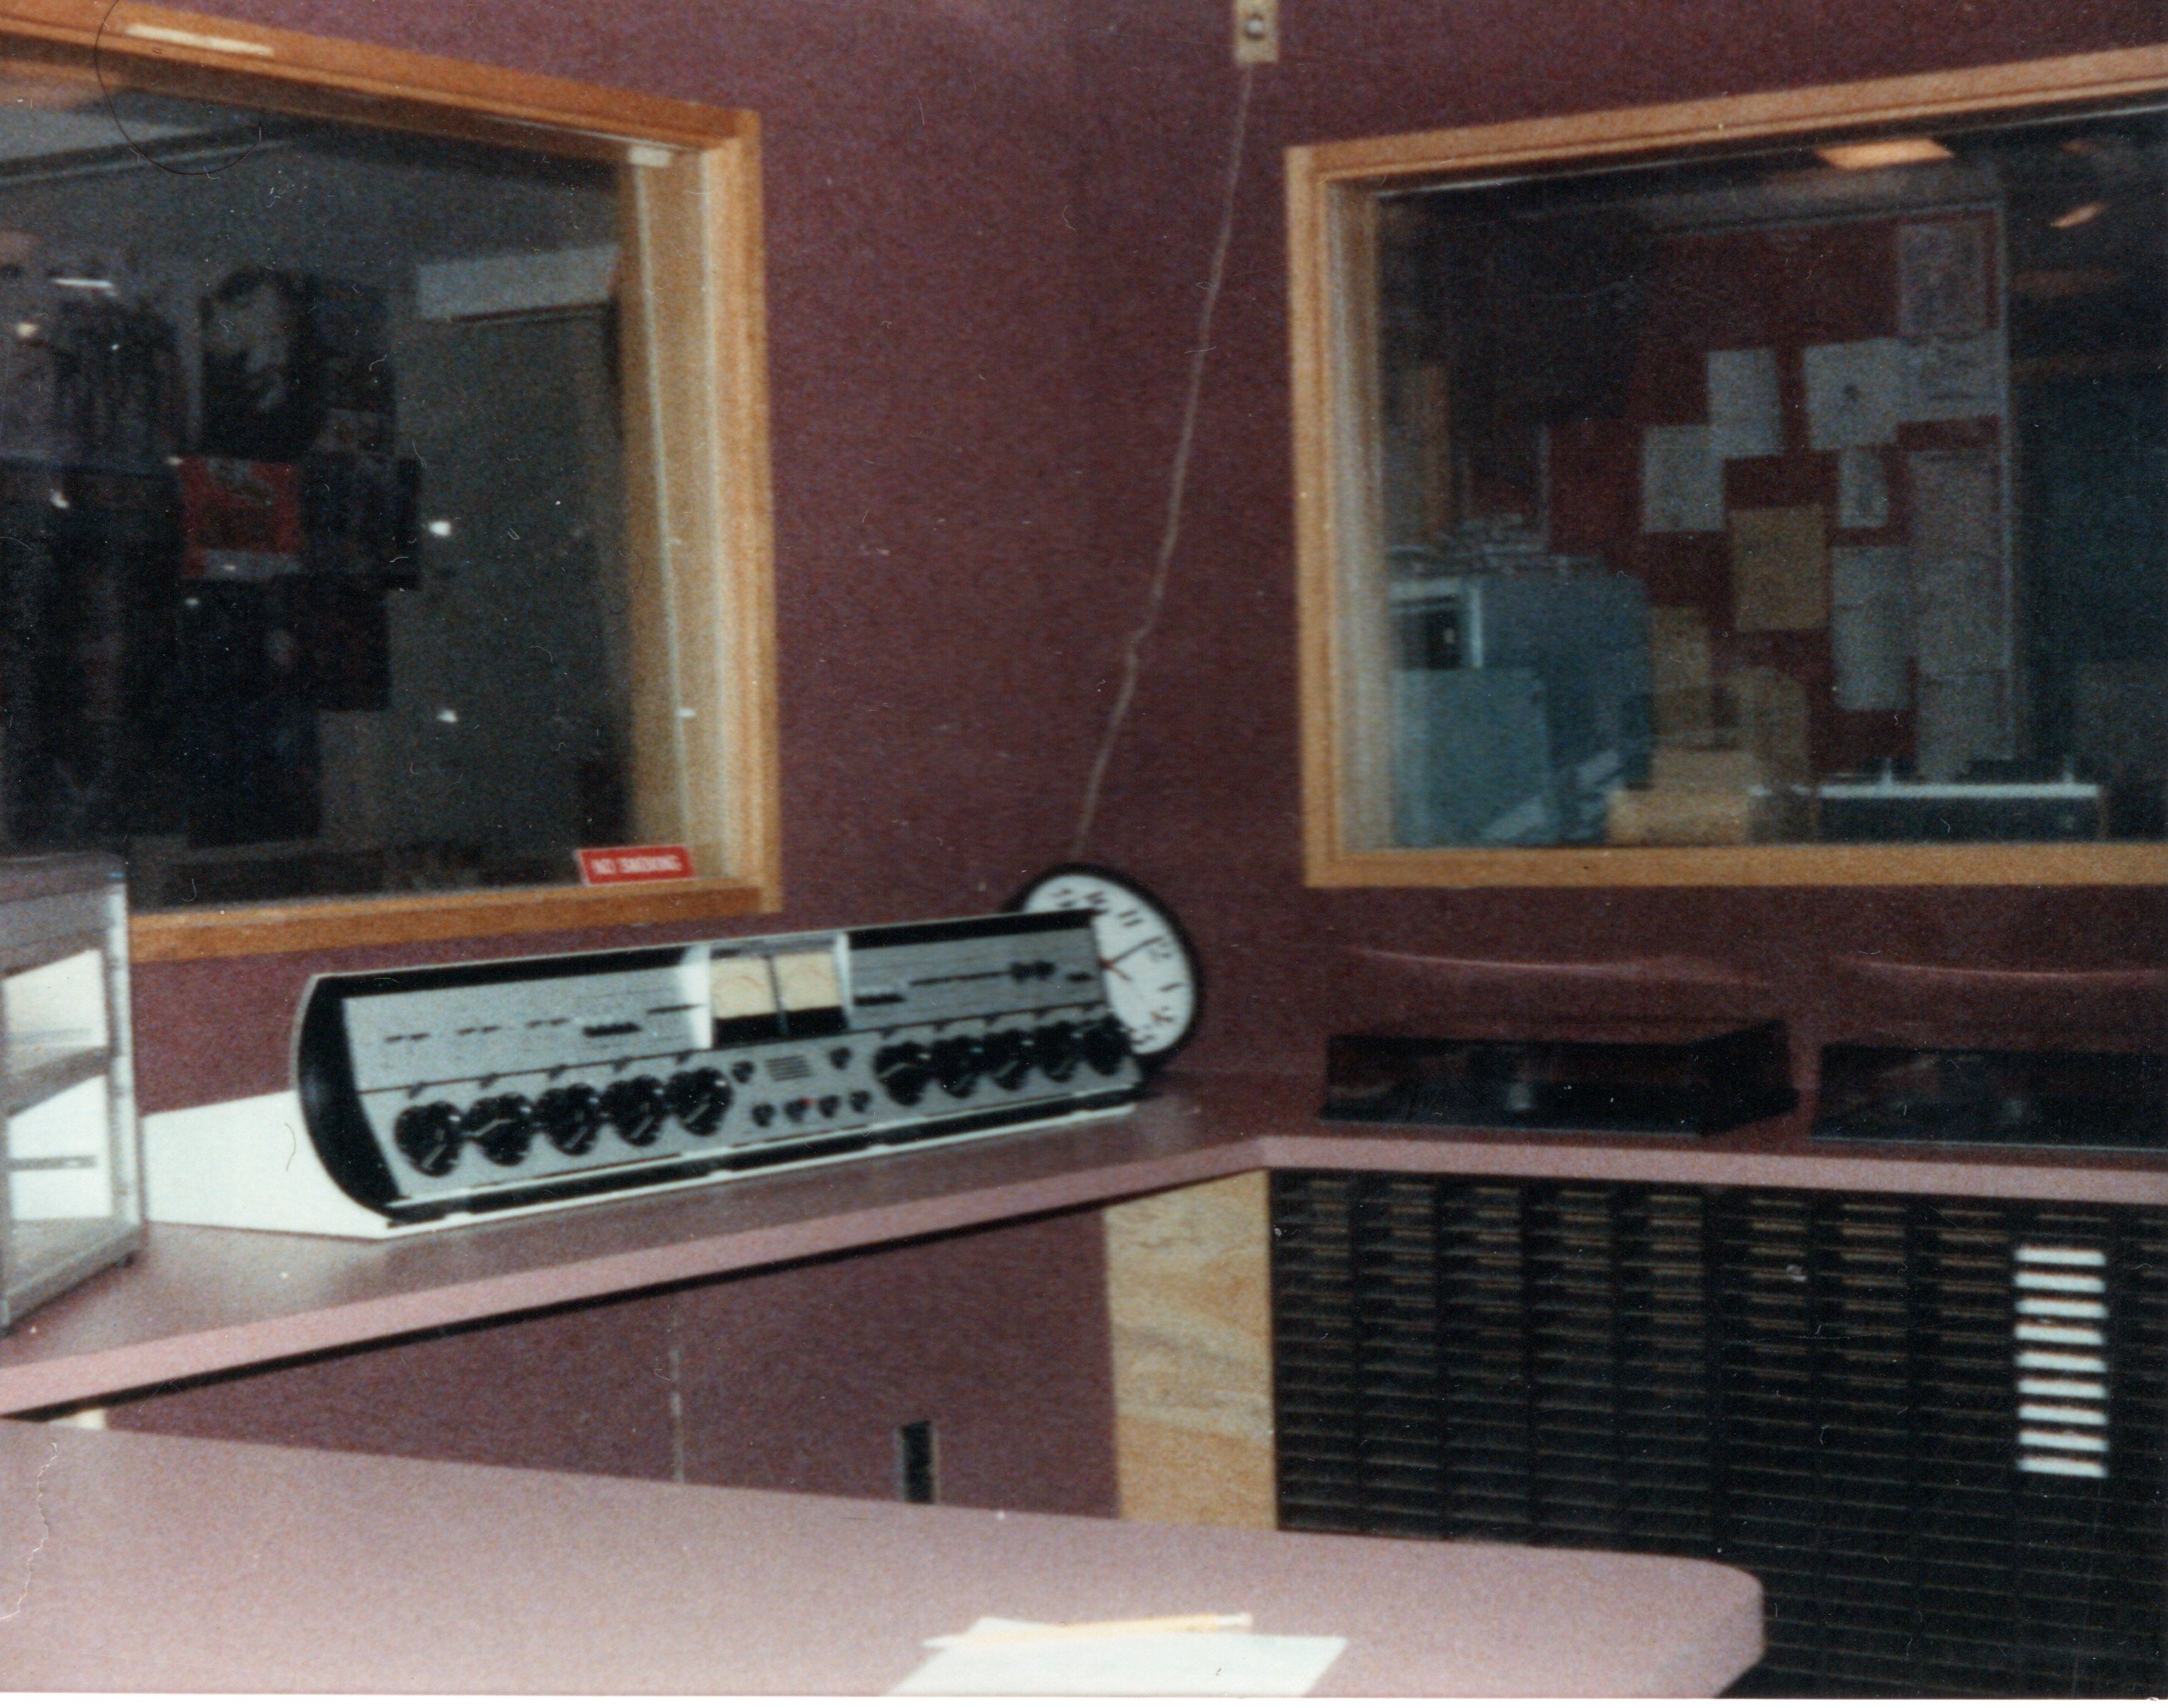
x,y
503,1084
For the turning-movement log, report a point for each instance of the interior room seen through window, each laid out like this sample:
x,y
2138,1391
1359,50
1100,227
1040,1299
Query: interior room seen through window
x,y
1817,494
311,576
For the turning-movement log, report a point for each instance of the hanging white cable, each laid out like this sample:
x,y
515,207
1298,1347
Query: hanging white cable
x,y
1177,481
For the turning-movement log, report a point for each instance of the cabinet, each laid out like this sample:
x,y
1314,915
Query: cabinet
x,y
1933,1427
67,1105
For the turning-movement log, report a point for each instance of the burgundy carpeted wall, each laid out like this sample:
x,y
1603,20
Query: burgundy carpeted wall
x,y
1204,803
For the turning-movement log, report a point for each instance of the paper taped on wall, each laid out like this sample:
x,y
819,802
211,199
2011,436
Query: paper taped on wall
x,y
1779,568
1855,394
1743,416
1682,482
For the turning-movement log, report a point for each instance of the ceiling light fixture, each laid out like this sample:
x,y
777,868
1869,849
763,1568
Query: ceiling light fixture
x,y
2083,215
1871,156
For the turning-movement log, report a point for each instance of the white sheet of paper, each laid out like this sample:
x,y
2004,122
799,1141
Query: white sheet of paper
x,y
1954,378
1854,394
1869,627
1863,489
1867,659
1743,418
1956,616
1956,503
1960,592
1681,482
1158,1663
1961,718
1942,278
1867,575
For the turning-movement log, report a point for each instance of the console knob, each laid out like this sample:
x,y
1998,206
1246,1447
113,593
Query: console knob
x,y
798,1108
428,1136
1055,1049
902,1071
1106,1044
635,1108
700,1097
957,1063
1006,1056
501,1127
571,1116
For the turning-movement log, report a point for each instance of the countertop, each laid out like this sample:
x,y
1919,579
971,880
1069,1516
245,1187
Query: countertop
x,y
142,1562
199,1301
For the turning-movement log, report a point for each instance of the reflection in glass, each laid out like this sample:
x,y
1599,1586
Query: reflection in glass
x,y
311,576
1821,494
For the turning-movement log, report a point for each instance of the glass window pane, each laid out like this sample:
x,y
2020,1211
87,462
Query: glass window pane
x,y
311,502
1821,495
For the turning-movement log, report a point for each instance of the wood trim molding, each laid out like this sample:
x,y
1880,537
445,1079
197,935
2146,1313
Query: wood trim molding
x,y
158,47
1732,120
703,711
700,534
279,928
1330,198
1799,864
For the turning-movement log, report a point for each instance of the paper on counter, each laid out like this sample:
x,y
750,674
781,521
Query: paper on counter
x,y
1682,482
1779,568
1863,489
1743,416
1155,1663
1855,394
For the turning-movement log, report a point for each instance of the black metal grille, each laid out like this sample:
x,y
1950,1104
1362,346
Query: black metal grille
x,y
1821,1388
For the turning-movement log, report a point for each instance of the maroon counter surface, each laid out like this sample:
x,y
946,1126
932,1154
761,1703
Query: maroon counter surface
x,y
145,1562
200,1300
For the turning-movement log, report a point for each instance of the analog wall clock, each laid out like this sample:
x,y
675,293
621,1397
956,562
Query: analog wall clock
x,y
1152,980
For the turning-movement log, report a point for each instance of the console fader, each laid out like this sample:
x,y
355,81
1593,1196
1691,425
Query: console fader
x,y
503,1084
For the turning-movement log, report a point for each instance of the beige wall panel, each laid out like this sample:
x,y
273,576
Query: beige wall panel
x,y
1189,1298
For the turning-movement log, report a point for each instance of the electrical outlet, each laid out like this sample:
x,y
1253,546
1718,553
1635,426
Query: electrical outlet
x,y
1256,32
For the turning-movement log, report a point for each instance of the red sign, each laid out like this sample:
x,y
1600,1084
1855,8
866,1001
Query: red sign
x,y
634,865
240,521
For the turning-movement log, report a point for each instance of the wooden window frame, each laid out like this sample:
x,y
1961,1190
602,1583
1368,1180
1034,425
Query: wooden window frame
x,y
1332,200
698,536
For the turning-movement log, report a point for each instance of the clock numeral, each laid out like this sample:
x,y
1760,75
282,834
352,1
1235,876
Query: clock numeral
x,y
1129,916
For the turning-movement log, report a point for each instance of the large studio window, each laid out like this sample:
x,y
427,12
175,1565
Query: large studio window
x,y
382,489
1756,499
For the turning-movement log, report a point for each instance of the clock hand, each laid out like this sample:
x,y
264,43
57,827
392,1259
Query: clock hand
x,y
1128,952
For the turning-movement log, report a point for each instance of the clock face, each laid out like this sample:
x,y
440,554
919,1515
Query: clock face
x,y
1150,971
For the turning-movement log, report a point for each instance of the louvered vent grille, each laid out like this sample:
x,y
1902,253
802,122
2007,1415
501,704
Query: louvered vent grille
x,y
1933,1427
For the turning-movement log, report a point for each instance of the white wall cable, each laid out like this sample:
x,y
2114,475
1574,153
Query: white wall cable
x,y
1177,481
